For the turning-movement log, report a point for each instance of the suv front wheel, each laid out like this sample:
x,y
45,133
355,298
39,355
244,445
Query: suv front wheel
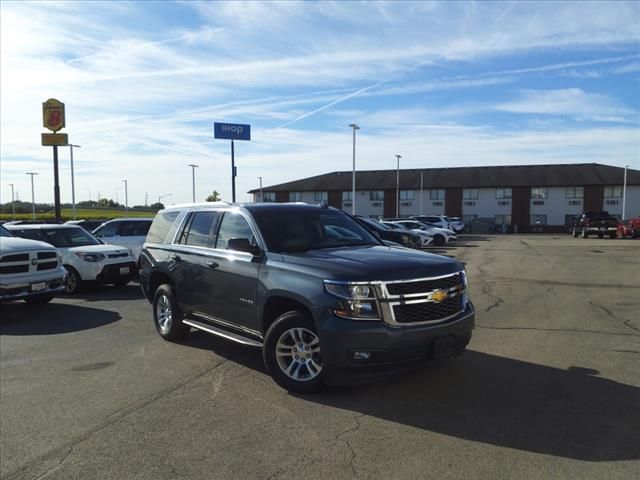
x,y
291,353
167,315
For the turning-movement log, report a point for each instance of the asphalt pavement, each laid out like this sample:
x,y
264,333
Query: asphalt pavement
x,y
549,387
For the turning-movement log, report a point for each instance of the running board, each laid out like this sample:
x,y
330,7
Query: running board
x,y
234,337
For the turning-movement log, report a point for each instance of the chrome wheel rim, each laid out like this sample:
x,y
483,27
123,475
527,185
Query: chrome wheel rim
x,y
298,354
72,282
163,313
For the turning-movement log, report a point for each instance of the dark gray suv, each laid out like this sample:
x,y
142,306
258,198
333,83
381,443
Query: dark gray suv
x,y
324,298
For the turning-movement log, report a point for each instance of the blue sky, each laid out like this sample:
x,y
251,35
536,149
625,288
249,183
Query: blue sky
x,y
441,83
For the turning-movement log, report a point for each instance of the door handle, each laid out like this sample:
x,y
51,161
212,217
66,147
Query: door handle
x,y
212,264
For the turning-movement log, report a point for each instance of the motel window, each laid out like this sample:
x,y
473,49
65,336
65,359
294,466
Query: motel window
x,y
574,192
503,193
407,195
436,194
538,193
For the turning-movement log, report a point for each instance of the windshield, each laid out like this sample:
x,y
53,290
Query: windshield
x,y
4,232
299,230
375,224
62,237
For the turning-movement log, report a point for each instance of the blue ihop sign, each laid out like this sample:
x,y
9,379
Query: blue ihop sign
x,y
232,131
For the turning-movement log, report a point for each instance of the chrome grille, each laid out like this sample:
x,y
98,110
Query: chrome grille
x,y
118,255
427,311
47,265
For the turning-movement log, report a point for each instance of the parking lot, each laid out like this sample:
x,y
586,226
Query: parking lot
x,y
549,387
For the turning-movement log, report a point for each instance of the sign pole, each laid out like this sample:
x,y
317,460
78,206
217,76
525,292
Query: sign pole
x,y
56,184
233,174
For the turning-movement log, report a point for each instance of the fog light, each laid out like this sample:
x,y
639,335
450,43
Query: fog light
x,y
361,356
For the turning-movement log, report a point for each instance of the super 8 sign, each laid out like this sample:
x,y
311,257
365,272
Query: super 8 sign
x,y
53,115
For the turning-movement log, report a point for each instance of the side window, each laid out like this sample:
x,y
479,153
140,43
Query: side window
x,y
139,228
160,227
233,225
124,229
202,230
108,230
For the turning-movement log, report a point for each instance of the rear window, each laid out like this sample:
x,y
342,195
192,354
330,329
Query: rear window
x,y
160,227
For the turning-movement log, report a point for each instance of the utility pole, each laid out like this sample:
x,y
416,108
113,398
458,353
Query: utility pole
x,y
624,193
193,181
398,157
33,196
146,198
73,186
126,196
13,203
421,189
261,197
353,174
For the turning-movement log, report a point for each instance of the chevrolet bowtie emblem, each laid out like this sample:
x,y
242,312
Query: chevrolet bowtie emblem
x,y
439,296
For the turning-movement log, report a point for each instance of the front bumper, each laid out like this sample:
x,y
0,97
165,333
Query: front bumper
x,y
20,291
116,272
390,349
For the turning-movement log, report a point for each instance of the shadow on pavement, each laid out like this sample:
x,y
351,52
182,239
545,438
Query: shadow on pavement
x,y
53,318
509,403
98,293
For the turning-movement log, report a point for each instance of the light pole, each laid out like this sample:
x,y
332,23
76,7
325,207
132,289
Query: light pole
x,y
353,174
160,197
261,197
624,192
33,196
421,189
73,186
398,157
126,195
193,181
13,203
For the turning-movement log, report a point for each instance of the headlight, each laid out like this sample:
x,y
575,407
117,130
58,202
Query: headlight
x,y
355,302
91,257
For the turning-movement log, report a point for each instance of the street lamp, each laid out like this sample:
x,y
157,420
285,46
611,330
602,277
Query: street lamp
x,y
398,157
126,195
193,181
162,196
261,197
73,186
33,196
13,202
353,174
624,193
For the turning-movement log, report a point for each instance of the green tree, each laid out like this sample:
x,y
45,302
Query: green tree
x,y
214,197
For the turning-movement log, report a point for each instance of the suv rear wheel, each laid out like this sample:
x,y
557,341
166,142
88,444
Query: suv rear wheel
x,y
73,281
291,353
167,315
439,240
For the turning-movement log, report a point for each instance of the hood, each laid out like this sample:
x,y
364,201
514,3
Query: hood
x,y
16,244
98,249
372,263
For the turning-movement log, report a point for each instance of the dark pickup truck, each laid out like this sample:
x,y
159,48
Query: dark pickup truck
x,y
325,299
598,223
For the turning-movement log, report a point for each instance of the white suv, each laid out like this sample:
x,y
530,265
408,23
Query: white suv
x,y
29,270
84,257
126,232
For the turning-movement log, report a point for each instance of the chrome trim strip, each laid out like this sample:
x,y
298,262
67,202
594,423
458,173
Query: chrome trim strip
x,y
224,334
209,318
428,298
464,302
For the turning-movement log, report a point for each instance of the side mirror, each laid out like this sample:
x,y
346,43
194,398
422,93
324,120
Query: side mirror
x,y
243,245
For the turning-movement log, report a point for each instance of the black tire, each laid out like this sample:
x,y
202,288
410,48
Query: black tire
x,y
613,234
73,281
585,234
39,299
167,316
439,240
600,235
574,233
311,378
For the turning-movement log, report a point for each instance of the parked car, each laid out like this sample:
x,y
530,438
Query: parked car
x,y
406,239
126,232
629,228
322,309
440,235
29,270
456,223
425,238
435,220
83,256
599,223
88,225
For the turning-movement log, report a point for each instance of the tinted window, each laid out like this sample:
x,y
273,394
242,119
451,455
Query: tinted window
x,y
202,230
233,225
298,230
160,227
107,230
61,237
134,228
4,232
